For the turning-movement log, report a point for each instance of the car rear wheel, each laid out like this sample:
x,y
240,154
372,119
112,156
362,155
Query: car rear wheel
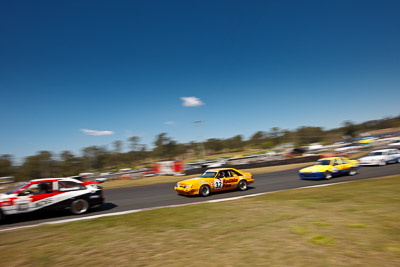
x,y
79,206
353,171
2,217
204,190
242,185
327,175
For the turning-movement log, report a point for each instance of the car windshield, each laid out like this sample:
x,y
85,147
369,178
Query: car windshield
x,y
208,175
375,153
323,162
16,189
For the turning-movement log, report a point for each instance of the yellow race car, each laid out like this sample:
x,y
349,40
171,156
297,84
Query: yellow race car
x,y
215,180
326,168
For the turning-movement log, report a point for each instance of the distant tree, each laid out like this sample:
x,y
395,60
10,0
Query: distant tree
x,y
234,143
257,138
38,166
349,128
275,135
214,144
165,147
94,157
267,144
307,135
117,146
6,166
69,164
134,143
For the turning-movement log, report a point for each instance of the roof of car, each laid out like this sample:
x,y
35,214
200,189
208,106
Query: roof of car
x,y
330,158
220,169
54,180
383,150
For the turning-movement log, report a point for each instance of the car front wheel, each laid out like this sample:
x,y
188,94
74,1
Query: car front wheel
x,y
242,185
327,175
79,206
204,190
353,171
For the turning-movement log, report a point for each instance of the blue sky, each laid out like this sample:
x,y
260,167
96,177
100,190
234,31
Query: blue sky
x,y
123,67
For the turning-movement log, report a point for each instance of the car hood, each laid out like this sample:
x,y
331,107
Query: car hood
x,y
317,168
193,180
6,196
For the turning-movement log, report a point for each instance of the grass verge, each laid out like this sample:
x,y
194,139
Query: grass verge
x,y
352,224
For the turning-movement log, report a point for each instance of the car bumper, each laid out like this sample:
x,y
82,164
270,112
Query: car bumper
x,y
250,181
187,192
96,201
311,175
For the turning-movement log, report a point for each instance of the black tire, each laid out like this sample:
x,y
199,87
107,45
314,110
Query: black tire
x,y
242,185
327,175
2,217
79,206
204,190
353,171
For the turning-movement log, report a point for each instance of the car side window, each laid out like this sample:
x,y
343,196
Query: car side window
x,y
235,173
38,189
69,186
336,162
344,161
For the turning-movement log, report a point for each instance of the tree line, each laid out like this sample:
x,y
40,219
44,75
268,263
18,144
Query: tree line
x,y
99,158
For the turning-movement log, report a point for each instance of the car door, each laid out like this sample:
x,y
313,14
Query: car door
x,y
36,196
219,181
345,165
229,181
394,155
336,166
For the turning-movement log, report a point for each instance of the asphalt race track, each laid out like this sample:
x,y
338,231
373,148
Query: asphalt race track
x,y
124,199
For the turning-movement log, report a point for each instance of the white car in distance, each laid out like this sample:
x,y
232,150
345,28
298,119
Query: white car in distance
x,y
396,143
381,157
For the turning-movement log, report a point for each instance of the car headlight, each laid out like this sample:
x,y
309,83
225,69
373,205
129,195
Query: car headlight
x,y
187,186
177,185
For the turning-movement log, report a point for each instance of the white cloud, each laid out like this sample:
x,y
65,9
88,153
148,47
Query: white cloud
x,y
96,133
191,101
169,122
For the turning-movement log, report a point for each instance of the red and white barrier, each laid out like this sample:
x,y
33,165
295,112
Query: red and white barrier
x,y
169,167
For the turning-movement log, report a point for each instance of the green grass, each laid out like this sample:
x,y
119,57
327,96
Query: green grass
x,y
352,224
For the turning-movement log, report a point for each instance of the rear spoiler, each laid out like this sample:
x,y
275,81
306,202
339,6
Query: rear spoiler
x,y
90,182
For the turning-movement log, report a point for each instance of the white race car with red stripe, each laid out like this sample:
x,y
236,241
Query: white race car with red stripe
x,y
51,193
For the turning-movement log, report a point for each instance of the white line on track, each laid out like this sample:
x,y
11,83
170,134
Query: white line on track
x,y
168,206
